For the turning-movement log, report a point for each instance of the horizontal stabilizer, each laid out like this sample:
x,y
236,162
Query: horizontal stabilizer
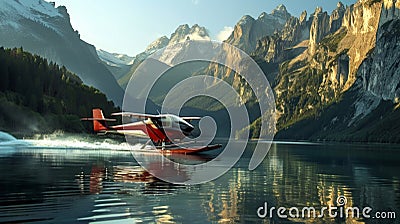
x,y
99,121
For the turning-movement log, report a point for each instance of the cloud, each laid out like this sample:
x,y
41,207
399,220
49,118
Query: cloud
x,y
224,33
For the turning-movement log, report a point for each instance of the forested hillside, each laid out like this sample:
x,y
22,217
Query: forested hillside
x,y
37,96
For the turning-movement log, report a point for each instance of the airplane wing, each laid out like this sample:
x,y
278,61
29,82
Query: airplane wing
x,y
191,118
135,115
145,116
97,119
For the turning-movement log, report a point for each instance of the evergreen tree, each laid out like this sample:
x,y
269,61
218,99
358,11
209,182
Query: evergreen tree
x,y
30,83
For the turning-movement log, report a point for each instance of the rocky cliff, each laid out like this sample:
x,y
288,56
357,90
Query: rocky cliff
x,y
248,30
261,38
346,86
334,74
379,74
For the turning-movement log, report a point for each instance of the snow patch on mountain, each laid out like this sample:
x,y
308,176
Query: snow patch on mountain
x,y
11,11
114,59
156,45
30,9
181,35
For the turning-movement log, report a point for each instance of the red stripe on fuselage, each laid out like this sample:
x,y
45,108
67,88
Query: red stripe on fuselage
x,y
150,129
155,134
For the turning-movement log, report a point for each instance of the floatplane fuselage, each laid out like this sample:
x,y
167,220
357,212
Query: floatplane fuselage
x,y
164,130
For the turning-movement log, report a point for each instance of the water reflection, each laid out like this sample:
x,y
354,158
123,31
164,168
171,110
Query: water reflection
x,y
96,179
61,185
306,176
132,174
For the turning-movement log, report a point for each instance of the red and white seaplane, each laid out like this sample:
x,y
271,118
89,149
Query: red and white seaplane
x,y
164,130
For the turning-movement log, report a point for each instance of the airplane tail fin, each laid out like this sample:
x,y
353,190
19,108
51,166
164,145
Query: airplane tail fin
x,y
99,121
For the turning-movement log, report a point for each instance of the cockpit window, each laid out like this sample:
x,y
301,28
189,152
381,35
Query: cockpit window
x,y
172,121
166,121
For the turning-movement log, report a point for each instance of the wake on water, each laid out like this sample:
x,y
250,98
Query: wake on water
x,y
65,141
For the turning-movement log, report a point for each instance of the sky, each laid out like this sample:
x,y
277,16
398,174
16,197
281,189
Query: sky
x,y
128,26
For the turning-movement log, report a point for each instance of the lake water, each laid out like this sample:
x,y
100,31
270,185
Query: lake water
x,y
69,182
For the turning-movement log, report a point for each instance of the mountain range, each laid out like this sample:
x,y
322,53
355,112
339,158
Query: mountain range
x,y
181,34
335,74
